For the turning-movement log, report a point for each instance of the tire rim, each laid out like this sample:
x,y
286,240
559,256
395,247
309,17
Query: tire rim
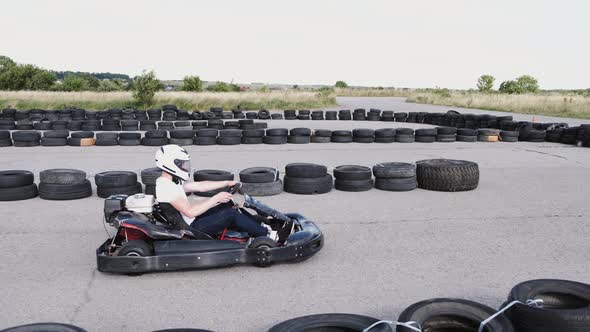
x,y
133,254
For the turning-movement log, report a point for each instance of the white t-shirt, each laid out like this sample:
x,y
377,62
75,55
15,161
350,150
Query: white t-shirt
x,y
168,191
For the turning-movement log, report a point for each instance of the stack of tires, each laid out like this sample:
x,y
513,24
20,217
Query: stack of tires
x,y
261,181
206,137
276,116
508,136
385,135
447,175
276,136
299,136
359,114
387,116
446,134
145,125
303,115
5,139
307,179
107,139
264,114
81,138
392,176
569,135
344,115
129,139
584,135
488,135
116,182
363,135
374,115
26,138
341,136
55,138
352,178
212,175
290,114
404,135
401,117
17,185
331,115
466,135
425,135
321,136
229,137
64,184
317,115
165,125
155,138
182,137
253,136
148,178
111,125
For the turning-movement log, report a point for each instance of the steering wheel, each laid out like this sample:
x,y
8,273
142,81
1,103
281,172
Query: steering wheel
x,y
234,189
238,199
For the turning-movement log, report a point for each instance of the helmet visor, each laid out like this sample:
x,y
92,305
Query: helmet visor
x,y
184,165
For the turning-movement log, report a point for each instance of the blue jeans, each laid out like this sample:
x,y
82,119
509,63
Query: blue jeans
x,y
216,219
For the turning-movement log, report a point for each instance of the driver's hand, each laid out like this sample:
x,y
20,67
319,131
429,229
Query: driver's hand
x,y
222,197
232,183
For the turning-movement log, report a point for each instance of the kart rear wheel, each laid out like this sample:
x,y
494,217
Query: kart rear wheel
x,y
137,248
263,242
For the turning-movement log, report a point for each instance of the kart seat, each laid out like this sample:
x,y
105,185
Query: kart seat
x,y
167,214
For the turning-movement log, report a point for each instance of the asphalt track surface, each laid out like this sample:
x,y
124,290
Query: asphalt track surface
x,y
383,250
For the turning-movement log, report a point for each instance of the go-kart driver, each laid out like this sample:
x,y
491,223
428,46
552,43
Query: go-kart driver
x,y
211,216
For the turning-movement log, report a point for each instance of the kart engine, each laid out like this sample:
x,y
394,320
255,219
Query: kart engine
x,y
138,203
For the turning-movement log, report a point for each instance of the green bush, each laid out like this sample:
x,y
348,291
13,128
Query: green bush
x,y
341,84
485,83
107,85
223,87
145,87
74,83
6,63
24,77
192,83
522,84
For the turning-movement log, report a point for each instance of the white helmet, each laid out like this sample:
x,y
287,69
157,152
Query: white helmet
x,y
175,160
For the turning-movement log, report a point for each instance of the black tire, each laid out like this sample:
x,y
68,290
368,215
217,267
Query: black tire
x,y
424,132
308,186
385,132
363,132
401,138
149,141
229,140
182,133
4,134
259,175
45,327
353,185
205,140
320,139
452,315
467,132
425,139
257,133
5,142
156,134
230,133
322,133
150,190
150,175
488,132
105,192
446,138
21,144
18,193
447,175
352,172
136,248
56,134
330,322
181,141
299,139
341,133
566,306
26,136
363,139
446,131
252,140
206,132
305,170
461,138
212,175
82,134
341,139
262,189
392,184
62,192
106,142
404,131
384,139
16,178
49,141
275,139
300,132
130,142
392,170
261,243
107,136
277,132
62,176
115,179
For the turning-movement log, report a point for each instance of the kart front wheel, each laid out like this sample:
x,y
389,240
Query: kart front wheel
x,y
137,248
263,242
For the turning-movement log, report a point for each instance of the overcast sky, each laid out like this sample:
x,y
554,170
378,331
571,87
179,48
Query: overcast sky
x,y
417,43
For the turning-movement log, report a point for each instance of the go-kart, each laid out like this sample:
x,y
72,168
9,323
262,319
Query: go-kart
x,y
147,239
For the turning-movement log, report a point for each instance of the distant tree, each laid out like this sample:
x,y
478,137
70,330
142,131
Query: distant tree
x,y
74,83
223,87
192,83
42,80
6,63
485,83
341,84
296,87
509,86
25,77
101,76
107,85
527,83
145,87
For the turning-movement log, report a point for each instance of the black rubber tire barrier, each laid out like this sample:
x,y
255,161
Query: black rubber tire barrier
x,y
252,140
452,315
18,193
156,134
330,322
129,136
62,176
45,327
205,140
446,131
352,172
384,139
182,133
4,134
275,139
305,170
16,178
107,136
509,139
447,175
298,139
104,192
50,141
130,142
150,175
363,139
341,133
62,192
363,132
212,175
308,186
181,141
230,133
259,175
385,133
318,139
229,140
257,133
466,132
148,141
276,116
115,179
394,170
277,132
82,134
353,185
73,141
5,142
20,144
461,138
322,133
341,139
262,189
446,138
566,306
106,142
26,136
404,131
488,132
206,133
400,138
400,184
300,132
263,114
425,139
